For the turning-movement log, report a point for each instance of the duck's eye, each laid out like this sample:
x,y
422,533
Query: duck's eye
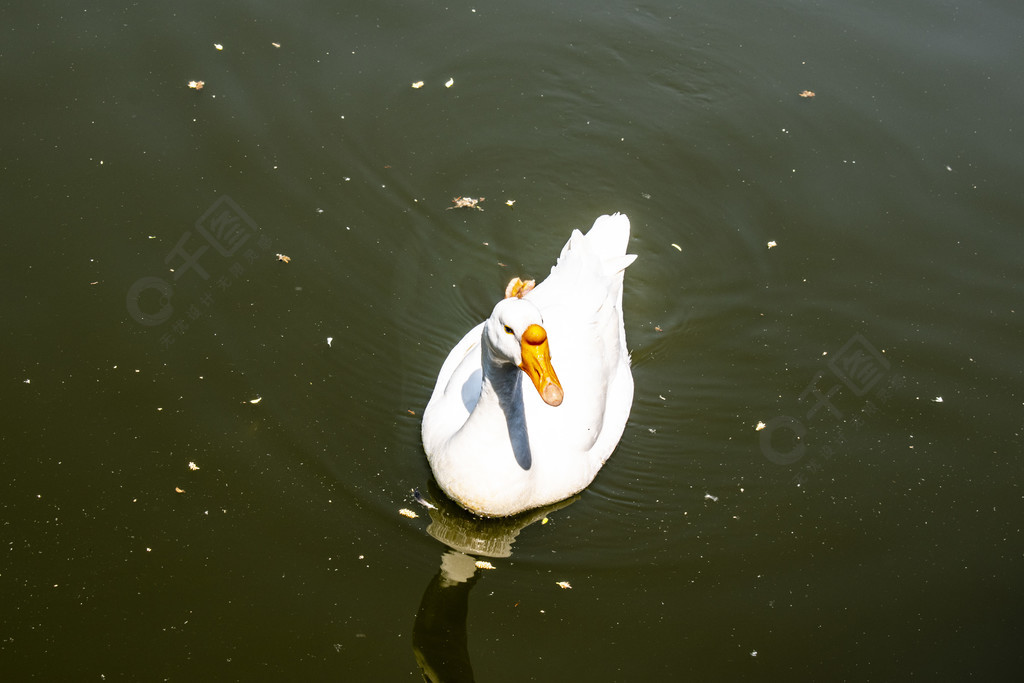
x,y
509,330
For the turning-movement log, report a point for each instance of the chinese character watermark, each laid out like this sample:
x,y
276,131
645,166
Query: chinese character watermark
x,y
858,368
225,228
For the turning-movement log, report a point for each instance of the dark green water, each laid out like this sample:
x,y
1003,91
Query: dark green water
x,y
870,531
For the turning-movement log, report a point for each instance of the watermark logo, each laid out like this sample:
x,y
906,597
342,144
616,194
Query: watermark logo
x,y
857,367
236,243
226,226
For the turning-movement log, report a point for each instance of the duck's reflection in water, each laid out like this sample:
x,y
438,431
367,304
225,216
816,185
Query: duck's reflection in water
x,y
439,634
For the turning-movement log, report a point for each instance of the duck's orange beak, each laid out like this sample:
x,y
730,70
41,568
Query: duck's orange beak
x,y
537,365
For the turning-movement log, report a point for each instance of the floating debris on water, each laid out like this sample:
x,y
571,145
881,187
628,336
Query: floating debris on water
x,y
418,497
466,203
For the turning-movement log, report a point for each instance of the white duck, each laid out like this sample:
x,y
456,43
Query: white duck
x,y
498,447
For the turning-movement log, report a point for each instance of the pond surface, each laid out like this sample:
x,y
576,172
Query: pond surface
x,y
207,448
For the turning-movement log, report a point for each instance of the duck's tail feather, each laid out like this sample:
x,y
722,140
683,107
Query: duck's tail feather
x,y
609,236
605,242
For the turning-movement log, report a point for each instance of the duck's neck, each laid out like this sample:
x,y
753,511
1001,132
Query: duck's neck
x,y
504,378
502,389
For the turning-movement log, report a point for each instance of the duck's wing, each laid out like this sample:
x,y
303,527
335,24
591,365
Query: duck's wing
x,y
456,392
581,304
588,273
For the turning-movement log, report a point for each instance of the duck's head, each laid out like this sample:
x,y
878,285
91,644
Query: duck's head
x,y
515,332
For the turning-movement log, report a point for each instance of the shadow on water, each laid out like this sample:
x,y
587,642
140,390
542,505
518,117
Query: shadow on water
x,y
440,634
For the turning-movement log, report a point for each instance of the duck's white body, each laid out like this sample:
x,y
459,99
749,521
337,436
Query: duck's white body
x,y
495,445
